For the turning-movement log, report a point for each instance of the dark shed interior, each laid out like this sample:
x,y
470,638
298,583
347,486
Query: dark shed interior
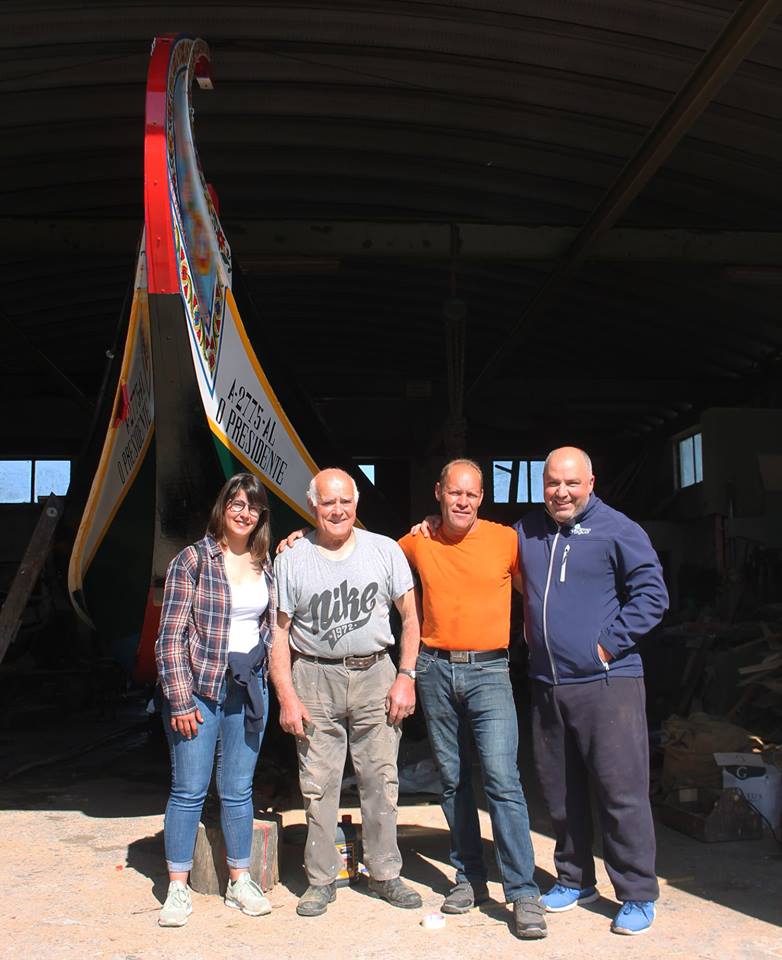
x,y
471,228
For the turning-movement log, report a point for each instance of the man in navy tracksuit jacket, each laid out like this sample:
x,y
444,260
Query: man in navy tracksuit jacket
x,y
593,587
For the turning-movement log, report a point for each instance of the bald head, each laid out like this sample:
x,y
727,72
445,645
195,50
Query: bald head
x,y
570,452
567,483
333,497
323,479
459,491
458,464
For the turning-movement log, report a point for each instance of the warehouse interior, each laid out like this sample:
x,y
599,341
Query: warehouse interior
x,y
469,228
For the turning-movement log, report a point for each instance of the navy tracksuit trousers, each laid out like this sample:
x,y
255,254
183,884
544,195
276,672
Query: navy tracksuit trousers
x,y
596,732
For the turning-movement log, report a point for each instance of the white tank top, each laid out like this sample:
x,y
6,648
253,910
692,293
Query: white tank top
x,y
248,602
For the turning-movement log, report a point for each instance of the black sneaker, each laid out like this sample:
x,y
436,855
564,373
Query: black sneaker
x,y
315,900
529,918
464,896
396,892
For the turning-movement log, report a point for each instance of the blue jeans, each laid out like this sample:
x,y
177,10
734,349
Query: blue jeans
x,y
191,770
456,697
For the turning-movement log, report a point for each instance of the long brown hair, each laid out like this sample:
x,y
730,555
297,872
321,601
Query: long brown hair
x,y
255,492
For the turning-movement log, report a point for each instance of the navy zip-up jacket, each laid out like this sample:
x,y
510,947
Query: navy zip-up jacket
x,y
595,581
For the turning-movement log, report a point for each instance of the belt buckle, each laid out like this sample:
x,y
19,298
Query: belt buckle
x,y
358,663
460,656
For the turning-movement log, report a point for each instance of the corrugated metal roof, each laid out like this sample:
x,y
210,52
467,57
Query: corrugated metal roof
x,y
409,113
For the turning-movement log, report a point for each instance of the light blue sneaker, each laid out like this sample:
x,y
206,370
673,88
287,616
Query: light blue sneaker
x,y
561,898
636,916
177,907
244,894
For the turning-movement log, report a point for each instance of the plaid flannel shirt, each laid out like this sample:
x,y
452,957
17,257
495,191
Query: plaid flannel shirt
x,y
192,644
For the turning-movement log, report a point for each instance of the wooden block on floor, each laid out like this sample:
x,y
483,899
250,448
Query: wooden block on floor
x,y
210,873
711,815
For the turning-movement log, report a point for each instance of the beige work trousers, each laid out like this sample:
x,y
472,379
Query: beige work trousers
x,y
348,708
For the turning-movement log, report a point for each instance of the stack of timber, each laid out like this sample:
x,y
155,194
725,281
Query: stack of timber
x,y
729,670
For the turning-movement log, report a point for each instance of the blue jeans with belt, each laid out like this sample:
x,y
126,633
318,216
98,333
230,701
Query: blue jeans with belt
x,y
457,697
223,731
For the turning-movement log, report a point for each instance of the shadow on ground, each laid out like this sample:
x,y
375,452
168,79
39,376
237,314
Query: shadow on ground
x,y
127,776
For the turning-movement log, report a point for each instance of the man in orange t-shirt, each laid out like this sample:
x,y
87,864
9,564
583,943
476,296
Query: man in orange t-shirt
x,y
467,568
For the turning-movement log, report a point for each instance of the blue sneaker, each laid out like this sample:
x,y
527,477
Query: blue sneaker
x,y
635,917
561,898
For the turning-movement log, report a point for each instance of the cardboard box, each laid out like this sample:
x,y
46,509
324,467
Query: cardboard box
x,y
760,782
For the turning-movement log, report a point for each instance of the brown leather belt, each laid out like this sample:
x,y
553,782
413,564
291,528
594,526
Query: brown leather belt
x,y
465,656
352,663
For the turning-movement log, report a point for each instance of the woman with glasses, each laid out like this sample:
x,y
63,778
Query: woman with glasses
x,y
211,651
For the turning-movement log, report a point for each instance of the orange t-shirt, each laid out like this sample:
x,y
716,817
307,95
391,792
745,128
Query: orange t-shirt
x,y
466,586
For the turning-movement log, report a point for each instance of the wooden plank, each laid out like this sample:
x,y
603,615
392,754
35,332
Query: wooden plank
x,y
767,664
29,570
712,815
742,700
693,673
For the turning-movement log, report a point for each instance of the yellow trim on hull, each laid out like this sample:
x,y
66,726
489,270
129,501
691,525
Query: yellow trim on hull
x,y
79,565
253,468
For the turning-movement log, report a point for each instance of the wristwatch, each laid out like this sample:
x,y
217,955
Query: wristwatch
x,y
407,673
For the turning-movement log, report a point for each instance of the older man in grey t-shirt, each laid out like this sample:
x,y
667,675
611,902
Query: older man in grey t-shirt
x,y
337,686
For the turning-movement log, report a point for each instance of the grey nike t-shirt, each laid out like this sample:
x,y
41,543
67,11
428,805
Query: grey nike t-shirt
x,y
340,608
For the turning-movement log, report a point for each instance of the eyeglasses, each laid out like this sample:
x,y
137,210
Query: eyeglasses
x,y
237,506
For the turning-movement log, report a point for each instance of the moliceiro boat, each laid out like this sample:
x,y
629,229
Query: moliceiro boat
x,y
193,404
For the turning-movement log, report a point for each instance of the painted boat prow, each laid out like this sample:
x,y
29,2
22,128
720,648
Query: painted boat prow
x,y
209,407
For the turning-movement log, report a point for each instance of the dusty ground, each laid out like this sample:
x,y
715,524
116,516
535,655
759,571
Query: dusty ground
x,y
82,877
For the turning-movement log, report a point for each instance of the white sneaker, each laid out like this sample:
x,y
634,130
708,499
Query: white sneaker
x,y
177,908
244,894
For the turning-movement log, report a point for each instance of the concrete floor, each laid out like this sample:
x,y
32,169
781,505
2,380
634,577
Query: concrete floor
x,y
83,876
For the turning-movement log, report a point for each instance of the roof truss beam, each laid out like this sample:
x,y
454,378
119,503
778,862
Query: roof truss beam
x,y
262,243
740,34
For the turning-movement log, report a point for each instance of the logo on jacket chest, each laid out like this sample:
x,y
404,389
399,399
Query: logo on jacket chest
x,y
579,531
341,611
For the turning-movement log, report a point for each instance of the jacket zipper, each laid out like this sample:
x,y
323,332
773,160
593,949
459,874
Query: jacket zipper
x,y
563,568
545,606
